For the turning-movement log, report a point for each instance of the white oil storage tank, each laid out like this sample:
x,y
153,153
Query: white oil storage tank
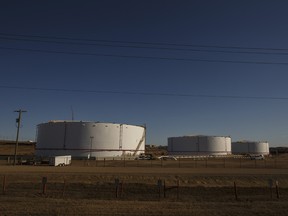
x,y
199,145
250,147
89,139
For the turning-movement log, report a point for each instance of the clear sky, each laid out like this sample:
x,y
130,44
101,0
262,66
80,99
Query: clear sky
x,y
180,67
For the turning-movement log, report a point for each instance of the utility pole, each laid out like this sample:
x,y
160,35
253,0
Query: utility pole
x,y
18,121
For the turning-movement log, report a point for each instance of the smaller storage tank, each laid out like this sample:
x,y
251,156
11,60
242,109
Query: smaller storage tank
x,y
250,147
199,145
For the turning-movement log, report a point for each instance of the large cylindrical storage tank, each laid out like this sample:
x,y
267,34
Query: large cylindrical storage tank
x,y
199,145
89,139
250,147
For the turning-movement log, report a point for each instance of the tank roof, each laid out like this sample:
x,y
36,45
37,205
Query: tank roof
x,y
198,136
80,121
249,141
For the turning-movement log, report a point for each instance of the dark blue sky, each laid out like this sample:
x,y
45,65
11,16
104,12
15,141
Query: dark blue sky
x,y
228,48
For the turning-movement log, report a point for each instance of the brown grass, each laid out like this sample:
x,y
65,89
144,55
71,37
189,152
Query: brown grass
x,y
91,190
24,148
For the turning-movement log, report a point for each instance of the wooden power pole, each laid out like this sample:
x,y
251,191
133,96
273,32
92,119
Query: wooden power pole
x,y
18,121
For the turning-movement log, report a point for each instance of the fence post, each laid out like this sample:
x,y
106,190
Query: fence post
x,y
4,185
164,189
44,182
159,184
235,191
64,188
277,189
117,187
178,185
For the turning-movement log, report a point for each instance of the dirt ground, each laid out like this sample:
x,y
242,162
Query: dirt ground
x,y
90,188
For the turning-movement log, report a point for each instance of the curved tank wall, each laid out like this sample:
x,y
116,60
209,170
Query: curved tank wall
x,y
199,145
89,139
248,147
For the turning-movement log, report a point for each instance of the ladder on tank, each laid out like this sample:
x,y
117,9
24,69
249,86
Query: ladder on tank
x,y
121,137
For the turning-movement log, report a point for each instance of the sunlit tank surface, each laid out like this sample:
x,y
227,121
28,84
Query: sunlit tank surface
x,y
89,139
199,145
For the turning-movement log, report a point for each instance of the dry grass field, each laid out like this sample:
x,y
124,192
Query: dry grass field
x,y
24,147
205,188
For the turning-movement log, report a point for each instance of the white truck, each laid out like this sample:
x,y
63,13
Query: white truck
x,y
257,157
64,160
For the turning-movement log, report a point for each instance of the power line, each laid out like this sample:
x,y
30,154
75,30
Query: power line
x,y
144,57
144,93
145,47
146,43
